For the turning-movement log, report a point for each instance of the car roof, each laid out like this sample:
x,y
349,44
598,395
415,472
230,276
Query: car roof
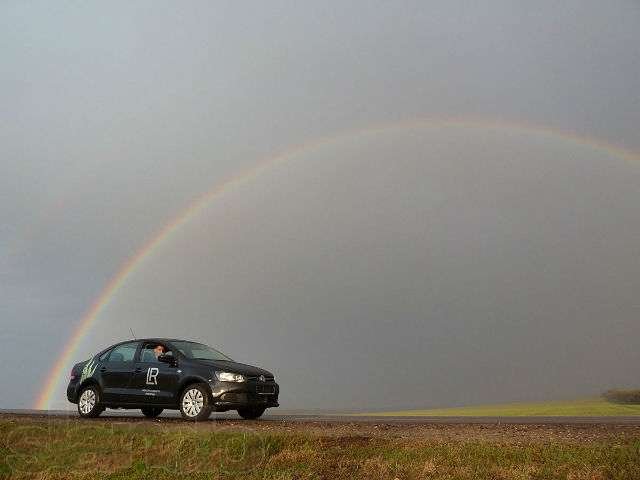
x,y
155,339
152,339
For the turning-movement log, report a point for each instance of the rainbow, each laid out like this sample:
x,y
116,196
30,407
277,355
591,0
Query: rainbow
x,y
55,375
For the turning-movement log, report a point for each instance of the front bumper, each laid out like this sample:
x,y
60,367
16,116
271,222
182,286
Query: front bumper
x,y
252,393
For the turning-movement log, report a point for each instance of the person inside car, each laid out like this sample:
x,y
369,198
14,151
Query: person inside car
x,y
159,350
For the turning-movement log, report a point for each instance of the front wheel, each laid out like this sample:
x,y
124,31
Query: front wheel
x,y
151,412
195,404
89,402
250,413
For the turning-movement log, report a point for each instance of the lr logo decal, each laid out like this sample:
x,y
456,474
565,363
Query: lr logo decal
x,y
152,376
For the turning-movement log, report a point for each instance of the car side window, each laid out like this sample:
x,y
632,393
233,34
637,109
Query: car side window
x,y
124,352
151,351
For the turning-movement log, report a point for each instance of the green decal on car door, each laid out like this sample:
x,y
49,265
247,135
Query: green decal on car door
x,y
88,370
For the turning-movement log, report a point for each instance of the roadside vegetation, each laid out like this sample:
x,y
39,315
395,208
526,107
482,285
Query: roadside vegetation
x,y
71,449
626,397
591,407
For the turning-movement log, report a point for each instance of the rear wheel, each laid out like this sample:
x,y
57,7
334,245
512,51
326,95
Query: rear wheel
x,y
151,412
195,404
89,402
250,413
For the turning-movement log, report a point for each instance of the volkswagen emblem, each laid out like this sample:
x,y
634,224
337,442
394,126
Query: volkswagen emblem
x,y
261,378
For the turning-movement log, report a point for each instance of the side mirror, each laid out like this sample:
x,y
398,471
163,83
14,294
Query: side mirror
x,y
170,359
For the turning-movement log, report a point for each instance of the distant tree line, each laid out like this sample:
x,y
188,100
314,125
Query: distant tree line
x,y
622,396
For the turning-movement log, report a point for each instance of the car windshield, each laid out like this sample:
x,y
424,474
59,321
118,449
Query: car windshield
x,y
199,351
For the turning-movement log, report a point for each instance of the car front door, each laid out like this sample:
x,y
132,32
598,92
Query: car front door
x,y
154,382
117,373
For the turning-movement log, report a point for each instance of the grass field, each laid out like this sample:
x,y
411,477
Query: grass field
x,y
594,407
166,449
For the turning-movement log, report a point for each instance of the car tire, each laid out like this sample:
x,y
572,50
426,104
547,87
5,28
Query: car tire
x,y
89,402
251,413
151,412
195,402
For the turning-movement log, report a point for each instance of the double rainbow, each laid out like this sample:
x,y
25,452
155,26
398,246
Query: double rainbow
x,y
64,360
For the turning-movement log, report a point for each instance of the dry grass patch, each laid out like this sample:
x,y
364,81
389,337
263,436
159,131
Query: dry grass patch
x,y
43,449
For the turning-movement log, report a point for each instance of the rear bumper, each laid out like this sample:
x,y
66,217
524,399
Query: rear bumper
x,y
231,396
72,392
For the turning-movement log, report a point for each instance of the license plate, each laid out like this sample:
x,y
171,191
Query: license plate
x,y
266,389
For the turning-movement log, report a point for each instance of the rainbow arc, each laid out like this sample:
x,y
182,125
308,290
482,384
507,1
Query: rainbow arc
x,y
135,262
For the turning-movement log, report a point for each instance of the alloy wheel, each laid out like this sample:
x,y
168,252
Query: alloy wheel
x,y
87,401
192,402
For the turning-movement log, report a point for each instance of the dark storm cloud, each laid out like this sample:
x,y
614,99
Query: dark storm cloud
x,y
115,116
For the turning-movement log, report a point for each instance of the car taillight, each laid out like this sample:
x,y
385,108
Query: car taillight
x,y
72,375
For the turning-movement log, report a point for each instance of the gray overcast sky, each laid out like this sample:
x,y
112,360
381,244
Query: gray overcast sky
x,y
411,268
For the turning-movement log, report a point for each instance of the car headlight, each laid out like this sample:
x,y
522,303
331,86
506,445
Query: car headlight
x,y
230,377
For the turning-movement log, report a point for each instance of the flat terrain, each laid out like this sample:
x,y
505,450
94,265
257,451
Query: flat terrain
x,y
405,417
59,446
590,407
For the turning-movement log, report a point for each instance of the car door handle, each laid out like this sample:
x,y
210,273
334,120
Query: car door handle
x,y
103,369
138,369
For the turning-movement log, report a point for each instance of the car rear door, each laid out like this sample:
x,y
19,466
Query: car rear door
x,y
117,372
154,382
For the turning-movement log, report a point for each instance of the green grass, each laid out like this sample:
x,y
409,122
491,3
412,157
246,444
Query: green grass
x,y
46,449
593,407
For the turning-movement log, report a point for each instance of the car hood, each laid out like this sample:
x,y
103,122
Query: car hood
x,y
234,367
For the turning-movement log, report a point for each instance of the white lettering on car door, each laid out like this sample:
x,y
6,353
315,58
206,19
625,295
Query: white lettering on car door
x,y
152,376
